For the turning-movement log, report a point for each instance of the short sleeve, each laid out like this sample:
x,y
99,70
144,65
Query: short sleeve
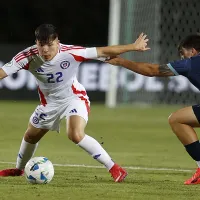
x,y
11,67
92,52
180,67
20,61
86,53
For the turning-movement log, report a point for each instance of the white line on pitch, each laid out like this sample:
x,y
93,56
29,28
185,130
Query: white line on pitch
x,y
128,167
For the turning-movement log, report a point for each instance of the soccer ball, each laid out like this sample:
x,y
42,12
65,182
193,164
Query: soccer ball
x,y
39,170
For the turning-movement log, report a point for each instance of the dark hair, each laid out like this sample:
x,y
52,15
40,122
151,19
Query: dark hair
x,y
191,41
45,33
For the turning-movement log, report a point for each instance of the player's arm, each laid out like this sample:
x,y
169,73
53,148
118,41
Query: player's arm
x,y
10,68
139,45
17,63
2,74
146,69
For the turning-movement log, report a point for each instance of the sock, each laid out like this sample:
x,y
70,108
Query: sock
x,y
198,164
90,145
193,150
26,151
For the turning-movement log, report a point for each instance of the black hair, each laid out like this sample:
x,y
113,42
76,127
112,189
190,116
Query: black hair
x,y
46,33
191,41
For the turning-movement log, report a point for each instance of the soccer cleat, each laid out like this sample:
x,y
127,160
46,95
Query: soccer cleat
x,y
195,178
118,173
11,172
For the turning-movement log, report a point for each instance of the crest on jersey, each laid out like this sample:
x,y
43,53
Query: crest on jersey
x,y
35,120
64,64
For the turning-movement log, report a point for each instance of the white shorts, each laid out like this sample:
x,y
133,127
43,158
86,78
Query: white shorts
x,y
50,116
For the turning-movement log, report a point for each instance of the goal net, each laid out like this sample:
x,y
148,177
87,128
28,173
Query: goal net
x,y
166,23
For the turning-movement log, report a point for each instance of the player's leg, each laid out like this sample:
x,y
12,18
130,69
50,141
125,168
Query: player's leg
x,y
40,122
27,149
75,130
183,123
29,145
76,123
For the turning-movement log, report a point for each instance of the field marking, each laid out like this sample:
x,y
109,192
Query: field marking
x,y
127,167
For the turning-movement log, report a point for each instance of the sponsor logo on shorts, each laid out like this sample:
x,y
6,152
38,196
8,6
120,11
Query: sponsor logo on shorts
x,y
64,64
73,111
42,116
35,120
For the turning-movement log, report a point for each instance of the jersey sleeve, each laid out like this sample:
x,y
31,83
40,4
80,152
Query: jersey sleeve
x,y
86,53
180,67
20,61
11,67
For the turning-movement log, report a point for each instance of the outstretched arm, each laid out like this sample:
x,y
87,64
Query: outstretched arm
x,y
146,69
139,45
2,74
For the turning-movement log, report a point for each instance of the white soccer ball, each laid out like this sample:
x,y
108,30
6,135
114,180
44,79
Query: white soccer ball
x,y
39,170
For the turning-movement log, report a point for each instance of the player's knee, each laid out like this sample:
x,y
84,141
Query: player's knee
x,y
75,135
172,119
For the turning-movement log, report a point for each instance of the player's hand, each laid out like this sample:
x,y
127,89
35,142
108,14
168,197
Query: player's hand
x,y
141,43
112,60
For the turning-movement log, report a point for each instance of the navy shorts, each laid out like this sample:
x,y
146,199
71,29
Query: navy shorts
x,y
196,109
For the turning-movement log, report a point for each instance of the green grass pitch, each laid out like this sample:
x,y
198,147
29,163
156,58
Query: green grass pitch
x,y
133,136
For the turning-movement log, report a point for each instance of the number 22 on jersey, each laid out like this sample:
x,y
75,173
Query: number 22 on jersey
x,y
55,78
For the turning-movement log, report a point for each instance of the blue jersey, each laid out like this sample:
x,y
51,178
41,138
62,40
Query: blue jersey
x,y
189,68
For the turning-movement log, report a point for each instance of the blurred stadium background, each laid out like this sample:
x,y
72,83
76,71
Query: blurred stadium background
x,y
165,23
138,137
